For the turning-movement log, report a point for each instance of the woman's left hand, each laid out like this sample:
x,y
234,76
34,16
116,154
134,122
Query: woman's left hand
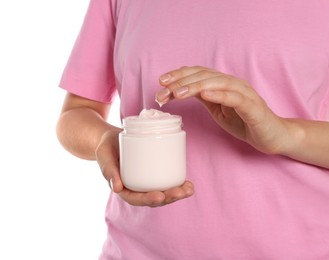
x,y
232,103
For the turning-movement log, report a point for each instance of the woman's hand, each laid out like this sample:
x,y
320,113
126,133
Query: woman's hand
x,y
232,103
107,155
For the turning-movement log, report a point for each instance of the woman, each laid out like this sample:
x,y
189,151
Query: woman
x,y
251,82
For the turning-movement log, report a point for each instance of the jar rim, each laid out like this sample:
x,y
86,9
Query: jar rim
x,y
136,125
132,121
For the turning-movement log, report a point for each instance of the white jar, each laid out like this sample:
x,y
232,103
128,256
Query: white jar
x,y
152,151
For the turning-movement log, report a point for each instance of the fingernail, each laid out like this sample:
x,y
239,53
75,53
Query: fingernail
x,y
111,184
181,91
159,103
162,94
165,77
189,192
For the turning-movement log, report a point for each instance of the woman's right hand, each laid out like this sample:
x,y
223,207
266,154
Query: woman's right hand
x,y
107,156
83,130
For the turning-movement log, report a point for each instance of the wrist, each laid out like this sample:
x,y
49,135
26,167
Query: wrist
x,y
109,137
292,140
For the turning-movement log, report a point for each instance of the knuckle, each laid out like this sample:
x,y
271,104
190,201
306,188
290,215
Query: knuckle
x,y
183,68
198,67
205,73
179,83
244,82
182,71
197,86
230,82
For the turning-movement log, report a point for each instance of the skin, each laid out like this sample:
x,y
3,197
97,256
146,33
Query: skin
x,y
83,130
237,108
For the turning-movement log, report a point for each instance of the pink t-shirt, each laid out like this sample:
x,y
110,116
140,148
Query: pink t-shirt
x,y
247,205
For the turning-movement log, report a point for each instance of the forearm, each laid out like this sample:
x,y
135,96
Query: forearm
x,y
80,130
307,141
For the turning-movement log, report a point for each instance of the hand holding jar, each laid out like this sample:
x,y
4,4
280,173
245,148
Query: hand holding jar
x,y
108,158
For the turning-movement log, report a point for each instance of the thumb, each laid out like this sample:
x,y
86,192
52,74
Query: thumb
x,y
107,157
114,179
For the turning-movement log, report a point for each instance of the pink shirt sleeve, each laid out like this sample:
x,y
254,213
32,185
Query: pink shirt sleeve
x,y
89,69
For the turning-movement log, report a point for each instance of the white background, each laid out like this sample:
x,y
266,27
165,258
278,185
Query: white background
x,y
51,203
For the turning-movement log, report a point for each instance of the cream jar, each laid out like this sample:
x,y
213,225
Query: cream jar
x,y
152,151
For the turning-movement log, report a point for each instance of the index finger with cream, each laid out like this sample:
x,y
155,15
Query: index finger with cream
x,y
184,82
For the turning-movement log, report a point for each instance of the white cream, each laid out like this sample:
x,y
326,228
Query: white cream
x,y
152,151
154,114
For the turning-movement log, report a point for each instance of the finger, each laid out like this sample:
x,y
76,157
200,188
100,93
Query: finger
x,y
248,108
108,161
174,75
157,198
194,84
227,98
188,86
179,193
151,199
188,188
112,174
165,95
115,182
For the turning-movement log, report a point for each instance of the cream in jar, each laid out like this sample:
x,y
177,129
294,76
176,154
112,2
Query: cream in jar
x,y
152,151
